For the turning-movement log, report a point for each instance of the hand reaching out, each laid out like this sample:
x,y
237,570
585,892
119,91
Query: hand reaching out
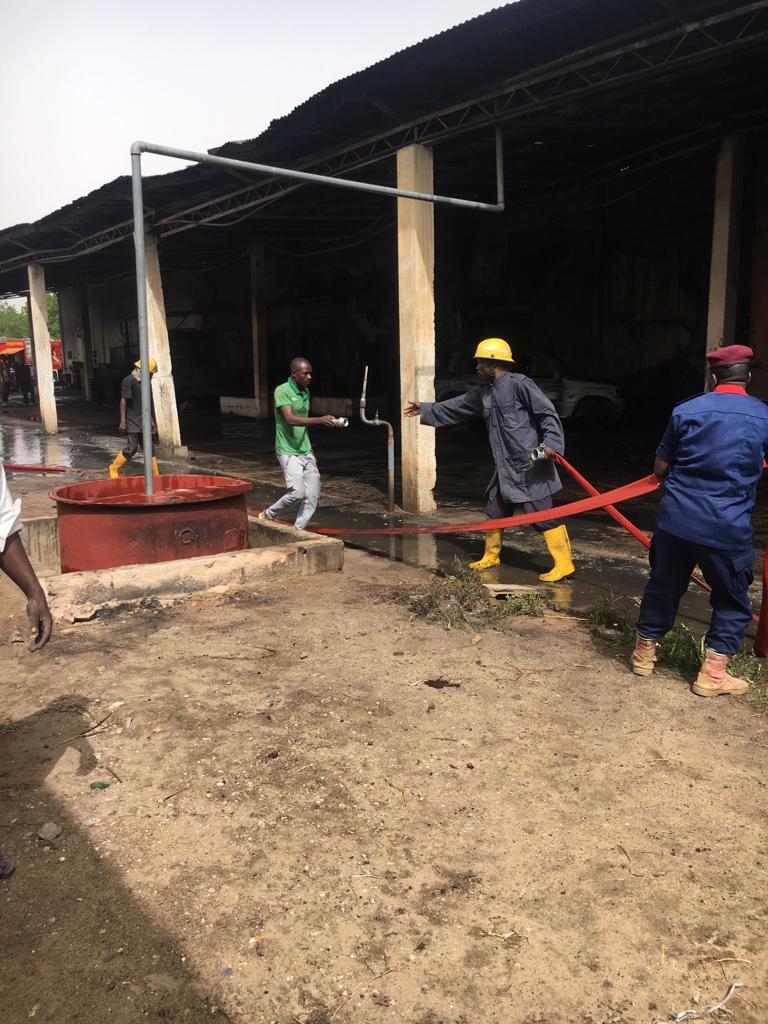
x,y
40,621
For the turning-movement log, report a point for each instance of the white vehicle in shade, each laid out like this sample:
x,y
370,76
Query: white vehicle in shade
x,y
582,401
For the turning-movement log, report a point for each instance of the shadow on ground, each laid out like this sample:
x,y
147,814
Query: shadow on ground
x,y
85,947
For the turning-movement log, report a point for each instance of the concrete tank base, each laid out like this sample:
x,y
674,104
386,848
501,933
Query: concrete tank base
x,y
275,552
107,523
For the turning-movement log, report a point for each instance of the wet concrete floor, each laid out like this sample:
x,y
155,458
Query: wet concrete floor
x,y
610,563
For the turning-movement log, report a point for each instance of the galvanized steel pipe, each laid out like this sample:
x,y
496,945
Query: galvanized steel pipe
x,y
141,298
245,166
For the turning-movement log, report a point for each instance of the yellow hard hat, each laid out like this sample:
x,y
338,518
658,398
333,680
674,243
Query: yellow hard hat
x,y
496,349
152,365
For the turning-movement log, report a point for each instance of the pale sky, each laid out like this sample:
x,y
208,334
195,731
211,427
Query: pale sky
x,y
83,79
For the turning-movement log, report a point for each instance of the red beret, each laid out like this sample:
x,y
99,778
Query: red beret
x,y
729,354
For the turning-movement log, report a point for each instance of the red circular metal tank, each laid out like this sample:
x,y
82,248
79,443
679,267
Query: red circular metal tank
x,y
105,523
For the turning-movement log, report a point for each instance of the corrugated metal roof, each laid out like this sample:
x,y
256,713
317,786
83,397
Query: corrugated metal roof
x,y
349,79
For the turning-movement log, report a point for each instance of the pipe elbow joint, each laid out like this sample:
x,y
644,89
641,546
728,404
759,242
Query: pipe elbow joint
x,y
137,148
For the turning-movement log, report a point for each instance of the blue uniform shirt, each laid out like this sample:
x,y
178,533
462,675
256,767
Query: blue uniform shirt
x,y
715,444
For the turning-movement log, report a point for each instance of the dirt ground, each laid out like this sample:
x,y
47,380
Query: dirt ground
x,y
298,829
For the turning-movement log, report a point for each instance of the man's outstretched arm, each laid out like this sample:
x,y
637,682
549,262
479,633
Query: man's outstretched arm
x,y
450,411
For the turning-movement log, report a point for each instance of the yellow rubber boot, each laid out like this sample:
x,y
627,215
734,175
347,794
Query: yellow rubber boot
x,y
559,545
492,554
155,470
114,469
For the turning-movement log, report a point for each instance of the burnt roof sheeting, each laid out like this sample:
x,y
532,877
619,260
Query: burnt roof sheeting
x,y
460,63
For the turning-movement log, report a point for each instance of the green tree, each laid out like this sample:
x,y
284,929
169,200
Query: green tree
x,y
54,322
13,323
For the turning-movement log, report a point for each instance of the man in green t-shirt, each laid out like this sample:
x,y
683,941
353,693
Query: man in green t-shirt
x,y
293,447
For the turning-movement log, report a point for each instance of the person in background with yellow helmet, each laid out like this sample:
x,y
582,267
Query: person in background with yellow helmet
x,y
521,421
130,418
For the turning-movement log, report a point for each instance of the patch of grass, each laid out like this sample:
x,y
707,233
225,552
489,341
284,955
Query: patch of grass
x,y
525,604
459,598
681,650
748,666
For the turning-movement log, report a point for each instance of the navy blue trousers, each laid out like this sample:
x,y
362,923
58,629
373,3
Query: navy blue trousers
x,y
729,573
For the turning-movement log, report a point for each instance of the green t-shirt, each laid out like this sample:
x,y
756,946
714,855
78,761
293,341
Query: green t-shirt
x,y
291,440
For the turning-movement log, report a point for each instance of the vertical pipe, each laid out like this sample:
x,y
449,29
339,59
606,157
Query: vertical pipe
x,y
390,469
141,303
376,422
363,396
499,168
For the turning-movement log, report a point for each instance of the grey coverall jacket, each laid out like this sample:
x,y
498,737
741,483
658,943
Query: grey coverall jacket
x,y
519,417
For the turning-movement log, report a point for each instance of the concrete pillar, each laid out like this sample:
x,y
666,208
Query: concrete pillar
x,y
724,260
163,388
259,332
41,341
416,273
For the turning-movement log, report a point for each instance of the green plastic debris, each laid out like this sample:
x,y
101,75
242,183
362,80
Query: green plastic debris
x,y
99,785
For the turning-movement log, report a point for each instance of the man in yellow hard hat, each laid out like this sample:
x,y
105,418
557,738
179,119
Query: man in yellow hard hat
x,y
130,418
524,432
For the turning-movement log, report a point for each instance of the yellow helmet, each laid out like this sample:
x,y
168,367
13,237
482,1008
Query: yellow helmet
x,y
496,349
152,365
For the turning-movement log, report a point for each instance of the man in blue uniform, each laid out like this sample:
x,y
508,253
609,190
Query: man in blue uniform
x,y
710,460
520,420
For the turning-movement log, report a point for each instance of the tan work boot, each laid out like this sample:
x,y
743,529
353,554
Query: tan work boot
x,y
492,556
714,681
155,467
643,657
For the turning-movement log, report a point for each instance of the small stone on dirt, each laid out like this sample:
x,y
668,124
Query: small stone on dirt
x,y
49,832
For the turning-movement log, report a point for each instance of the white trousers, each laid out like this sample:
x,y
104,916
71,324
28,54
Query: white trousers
x,y
302,478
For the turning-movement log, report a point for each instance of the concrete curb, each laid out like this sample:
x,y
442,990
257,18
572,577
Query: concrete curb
x,y
279,551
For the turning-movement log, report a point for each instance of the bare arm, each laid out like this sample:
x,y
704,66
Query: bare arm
x,y
15,564
305,421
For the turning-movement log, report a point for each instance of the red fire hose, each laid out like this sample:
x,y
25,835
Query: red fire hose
x,y
596,500
634,490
